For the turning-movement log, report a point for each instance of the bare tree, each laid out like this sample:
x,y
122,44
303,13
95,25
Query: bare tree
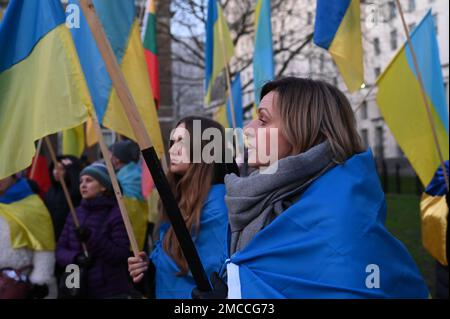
x,y
292,34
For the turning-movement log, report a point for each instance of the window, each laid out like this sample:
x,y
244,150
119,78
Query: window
x,y
376,45
365,137
411,27
412,5
377,72
310,18
394,40
392,10
379,146
364,113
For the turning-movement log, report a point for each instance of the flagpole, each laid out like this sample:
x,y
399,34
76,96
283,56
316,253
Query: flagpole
x,y
65,190
115,184
227,73
424,96
147,149
35,160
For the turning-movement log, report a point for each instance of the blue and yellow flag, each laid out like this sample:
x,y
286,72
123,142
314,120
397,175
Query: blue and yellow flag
x,y
224,115
121,25
401,103
338,30
42,87
73,141
263,63
219,46
434,216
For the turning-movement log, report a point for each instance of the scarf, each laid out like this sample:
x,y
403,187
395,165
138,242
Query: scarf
x,y
255,201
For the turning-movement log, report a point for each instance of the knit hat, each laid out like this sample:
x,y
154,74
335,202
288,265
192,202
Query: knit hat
x,y
98,171
126,151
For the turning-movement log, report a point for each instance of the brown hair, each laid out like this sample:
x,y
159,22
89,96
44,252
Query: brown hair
x,y
191,189
313,112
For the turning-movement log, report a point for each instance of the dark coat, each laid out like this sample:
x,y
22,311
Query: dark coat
x,y
55,199
108,245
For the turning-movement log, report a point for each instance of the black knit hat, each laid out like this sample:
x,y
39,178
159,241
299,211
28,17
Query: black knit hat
x,y
126,151
99,171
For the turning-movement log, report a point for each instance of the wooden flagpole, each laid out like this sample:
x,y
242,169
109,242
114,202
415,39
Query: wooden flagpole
x,y
115,184
424,96
65,190
146,146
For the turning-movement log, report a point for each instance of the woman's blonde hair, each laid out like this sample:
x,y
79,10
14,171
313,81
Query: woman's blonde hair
x,y
313,112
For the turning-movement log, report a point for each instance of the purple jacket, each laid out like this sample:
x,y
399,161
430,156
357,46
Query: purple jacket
x,y
108,245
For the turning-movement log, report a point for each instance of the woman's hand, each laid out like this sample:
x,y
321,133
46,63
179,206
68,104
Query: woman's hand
x,y
137,266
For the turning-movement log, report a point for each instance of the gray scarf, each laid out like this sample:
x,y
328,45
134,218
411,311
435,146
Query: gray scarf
x,y
254,201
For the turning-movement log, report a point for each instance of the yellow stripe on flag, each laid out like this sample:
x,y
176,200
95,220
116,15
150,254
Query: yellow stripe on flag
x,y
135,71
39,96
347,49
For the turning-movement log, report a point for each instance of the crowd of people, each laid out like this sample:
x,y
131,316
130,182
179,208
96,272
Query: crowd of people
x,y
312,229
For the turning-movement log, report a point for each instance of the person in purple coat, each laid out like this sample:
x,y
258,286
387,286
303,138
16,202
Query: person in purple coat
x,y
103,231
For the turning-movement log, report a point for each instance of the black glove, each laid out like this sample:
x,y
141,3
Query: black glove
x,y
83,261
220,289
38,291
83,233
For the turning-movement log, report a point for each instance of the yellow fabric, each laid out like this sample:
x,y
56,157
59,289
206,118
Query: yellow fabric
x,y
30,224
400,102
91,135
39,96
347,49
220,116
152,201
223,50
137,212
434,212
73,141
134,69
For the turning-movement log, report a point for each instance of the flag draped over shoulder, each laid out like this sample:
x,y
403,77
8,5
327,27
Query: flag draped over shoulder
x,y
151,49
119,21
338,30
29,221
329,248
263,63
219,46
42,87
401,103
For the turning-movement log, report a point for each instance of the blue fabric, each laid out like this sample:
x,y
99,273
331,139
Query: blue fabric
x,y
437,185
320,246
117,18
236,89
209,42
24,25
424,36
130,179
210,244
329,16
16,192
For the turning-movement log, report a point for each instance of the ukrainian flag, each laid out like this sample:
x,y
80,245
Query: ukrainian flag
x,y
42,87
119,20
338,30
263,64
401,103
224,115
219,46
434,215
